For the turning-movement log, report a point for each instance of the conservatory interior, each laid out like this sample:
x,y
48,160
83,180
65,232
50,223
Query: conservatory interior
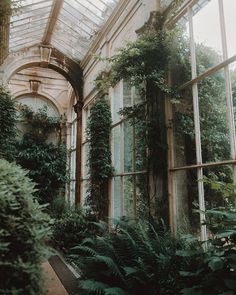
x,y
117,147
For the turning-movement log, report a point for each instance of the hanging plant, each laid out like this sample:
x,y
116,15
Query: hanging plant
x,y
99,160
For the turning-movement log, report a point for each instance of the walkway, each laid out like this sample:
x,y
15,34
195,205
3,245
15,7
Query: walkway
x,y
61,278
53,284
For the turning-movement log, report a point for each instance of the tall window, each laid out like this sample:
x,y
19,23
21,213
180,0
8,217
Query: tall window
x,y
129,181
204,123
72,158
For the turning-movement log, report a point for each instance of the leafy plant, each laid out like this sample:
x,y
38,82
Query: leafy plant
x,y
71,228
7,125
45,161
24,230
99,160
145,63
213,271
131,259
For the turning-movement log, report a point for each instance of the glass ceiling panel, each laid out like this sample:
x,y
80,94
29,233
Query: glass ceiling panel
x,y
77,24
29,23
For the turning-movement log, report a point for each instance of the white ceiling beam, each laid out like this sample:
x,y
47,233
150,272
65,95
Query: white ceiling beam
x,y
56,8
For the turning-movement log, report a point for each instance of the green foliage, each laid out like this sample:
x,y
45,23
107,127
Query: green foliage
x,y
131,259
45,161
24,230
40,123
7,125
99,160
46,164
145,63
213,271
71,228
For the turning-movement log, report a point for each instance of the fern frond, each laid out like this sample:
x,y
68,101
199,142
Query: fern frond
x,y
93,287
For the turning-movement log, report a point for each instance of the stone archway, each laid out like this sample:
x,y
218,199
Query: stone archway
x,y
45,57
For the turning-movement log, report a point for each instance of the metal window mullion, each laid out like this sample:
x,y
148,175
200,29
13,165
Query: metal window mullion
x,y
201,197
88,9
28,44
228,87
134,156
86,17
73,30
67,52
32,13
122,149
28,25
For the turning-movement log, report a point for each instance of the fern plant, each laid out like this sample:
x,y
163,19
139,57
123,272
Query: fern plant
x,y
132,259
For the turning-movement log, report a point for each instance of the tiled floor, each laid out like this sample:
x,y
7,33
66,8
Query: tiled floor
x,y
53,284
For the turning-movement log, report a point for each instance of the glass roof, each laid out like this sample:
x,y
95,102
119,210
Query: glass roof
x,y
77,23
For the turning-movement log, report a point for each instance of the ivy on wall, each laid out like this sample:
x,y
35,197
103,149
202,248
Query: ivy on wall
x,y
45,160
8,129
145,63
99,159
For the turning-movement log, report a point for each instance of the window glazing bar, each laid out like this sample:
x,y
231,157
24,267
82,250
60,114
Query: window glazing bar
x,y
76,17
228,86
201,197
28,25
72,29
204,165
86,8
29,13
209,72
35,3
33,14
65,45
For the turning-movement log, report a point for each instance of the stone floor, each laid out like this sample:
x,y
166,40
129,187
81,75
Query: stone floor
x,y
53,284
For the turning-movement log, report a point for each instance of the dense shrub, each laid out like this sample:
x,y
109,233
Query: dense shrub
x,y
132,259
24,230
46,161
7,125
135,259
71,228
212,272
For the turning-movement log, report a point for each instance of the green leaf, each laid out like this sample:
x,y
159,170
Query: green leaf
x,y
216,263
231,284
114,291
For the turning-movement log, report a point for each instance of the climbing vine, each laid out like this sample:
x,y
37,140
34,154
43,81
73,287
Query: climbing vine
x,y
8,129
145,64
43,157
99,160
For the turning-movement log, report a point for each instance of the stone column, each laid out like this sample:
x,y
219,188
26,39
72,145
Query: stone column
x,y
78,110
4,37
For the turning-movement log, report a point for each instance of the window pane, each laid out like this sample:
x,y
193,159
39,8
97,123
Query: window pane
x,y
183,128
128,196
186,201
230,23
213,118
142,195
116,103
85,148
233,84
128,146
140,145
116,149
127,102
180,55
117,197
216,176
207,34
